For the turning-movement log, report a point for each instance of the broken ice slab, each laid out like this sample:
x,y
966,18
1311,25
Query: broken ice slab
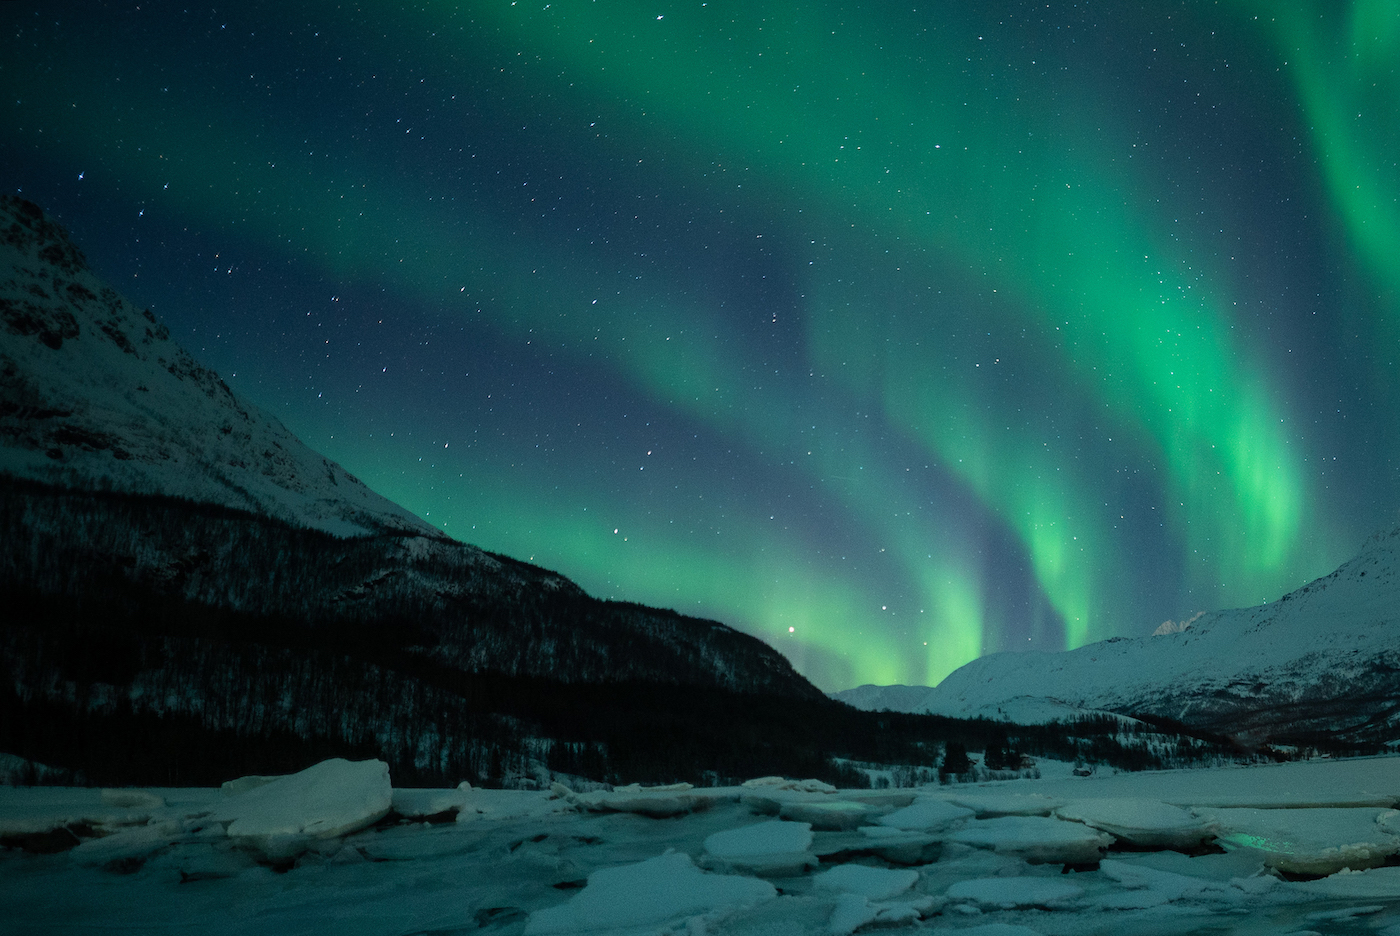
x,y
1007,893
1152,887
893,845
992,804
1373,884
1142,822
829,815
853,911
769,849
659,802
1216,866
874,883
926,814
1307,841
1036,839
283,818
34,810
882,799
657,894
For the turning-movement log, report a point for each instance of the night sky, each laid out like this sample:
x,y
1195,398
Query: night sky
x,y
892,333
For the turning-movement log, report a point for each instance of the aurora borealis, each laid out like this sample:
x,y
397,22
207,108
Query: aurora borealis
x,y
893,334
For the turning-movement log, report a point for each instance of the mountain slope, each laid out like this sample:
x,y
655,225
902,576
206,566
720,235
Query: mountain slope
x,y
95,395
1324,658
176,565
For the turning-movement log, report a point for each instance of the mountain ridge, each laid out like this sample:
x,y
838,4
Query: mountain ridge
x,y
1322,658
158,533
100,396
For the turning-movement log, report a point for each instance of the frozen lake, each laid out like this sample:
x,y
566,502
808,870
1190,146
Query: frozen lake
x,y
1294,848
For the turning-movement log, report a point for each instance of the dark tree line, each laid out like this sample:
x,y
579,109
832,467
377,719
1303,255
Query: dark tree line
x,y
154,641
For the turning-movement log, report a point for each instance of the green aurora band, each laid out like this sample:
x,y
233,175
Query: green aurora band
x,y
970,228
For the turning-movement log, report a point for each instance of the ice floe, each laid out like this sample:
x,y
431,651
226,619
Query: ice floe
x,y
1372,884
1309,841
925,815
649,896
829,816
1036,839
992,804
283,817
874,883
1142,822
335,848
1009,892
775,848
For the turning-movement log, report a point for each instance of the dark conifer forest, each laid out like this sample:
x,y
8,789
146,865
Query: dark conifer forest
x,y
153,640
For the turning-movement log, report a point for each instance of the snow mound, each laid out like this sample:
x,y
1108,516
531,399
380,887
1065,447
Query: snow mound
x,y
1007,893
874,883
926,815
652,895
1148,823
773,849
335,797
1036,839
1308,841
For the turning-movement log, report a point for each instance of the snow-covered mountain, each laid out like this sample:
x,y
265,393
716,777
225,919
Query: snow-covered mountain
x,y
175,564
1324,658
95,395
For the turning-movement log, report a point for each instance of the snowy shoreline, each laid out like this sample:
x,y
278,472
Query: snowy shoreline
x,y
1287,848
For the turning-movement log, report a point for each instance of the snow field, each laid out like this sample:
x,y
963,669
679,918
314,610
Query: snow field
x,y
322,851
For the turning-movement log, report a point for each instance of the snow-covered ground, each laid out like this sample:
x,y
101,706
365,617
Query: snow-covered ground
x,y
1293,848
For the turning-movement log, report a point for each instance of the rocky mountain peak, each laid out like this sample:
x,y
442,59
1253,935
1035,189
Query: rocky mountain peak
x,y
95,394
